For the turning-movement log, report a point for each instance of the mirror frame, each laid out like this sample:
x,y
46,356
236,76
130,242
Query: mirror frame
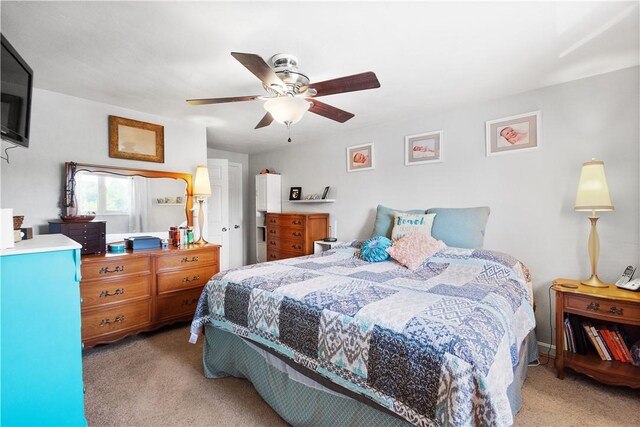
x,y
71,168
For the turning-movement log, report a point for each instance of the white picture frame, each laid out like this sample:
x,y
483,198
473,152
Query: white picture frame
x,y
514,134
423,148
360,158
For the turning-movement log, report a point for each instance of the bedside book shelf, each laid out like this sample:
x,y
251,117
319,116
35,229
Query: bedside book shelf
x,y
610,307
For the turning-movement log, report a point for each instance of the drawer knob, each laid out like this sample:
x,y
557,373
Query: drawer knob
x,y
193,279
119,318
296,246
616,311
105,294
297,234
118,269
272,231
189,302
271,242
296,222
186,259
593,306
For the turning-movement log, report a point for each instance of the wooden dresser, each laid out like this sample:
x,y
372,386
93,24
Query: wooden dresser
x,y
291,234
123,294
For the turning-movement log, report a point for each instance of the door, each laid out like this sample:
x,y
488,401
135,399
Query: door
x,y
218,208
236,217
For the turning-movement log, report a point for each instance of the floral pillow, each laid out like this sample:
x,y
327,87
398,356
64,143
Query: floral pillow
x,y
413,249
406,223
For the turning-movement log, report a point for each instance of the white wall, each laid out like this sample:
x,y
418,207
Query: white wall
x,y
531,194
66,128
243,159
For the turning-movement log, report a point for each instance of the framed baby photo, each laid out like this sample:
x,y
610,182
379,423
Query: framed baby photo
x,y
423,148
360,158
513,134
295,193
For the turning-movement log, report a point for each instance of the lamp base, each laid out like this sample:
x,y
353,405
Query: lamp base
x,y
595,282
200,242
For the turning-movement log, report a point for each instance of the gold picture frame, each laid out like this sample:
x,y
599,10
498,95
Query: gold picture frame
x,y
135,140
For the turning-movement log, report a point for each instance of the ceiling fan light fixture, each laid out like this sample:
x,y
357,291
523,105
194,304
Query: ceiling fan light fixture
x,y
287,109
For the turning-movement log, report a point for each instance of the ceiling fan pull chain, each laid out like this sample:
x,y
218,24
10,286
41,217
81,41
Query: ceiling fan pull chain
x,y
289,130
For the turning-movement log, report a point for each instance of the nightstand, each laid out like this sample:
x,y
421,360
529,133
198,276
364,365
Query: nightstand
x,y
611,306
321,246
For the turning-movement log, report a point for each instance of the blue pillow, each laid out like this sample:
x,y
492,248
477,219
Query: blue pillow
x,y
374,249
384,220
460,227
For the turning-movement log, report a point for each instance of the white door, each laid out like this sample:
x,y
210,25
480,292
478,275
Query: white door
x,y
218,208
236,217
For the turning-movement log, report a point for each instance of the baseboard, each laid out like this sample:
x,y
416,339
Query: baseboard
x,y
545,349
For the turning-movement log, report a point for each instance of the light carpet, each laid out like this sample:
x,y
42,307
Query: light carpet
x,y
156,379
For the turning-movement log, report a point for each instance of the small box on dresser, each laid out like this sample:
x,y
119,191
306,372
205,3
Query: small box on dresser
x,y
91,235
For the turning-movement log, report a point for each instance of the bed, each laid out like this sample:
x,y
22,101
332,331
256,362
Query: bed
x,y
330,339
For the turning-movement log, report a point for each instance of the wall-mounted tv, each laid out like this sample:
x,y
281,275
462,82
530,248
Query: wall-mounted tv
x,y
15,108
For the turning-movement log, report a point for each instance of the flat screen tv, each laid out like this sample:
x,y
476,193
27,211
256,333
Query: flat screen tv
x,y
17,81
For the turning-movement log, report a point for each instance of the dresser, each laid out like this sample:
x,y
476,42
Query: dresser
x,y
291,234
41,352
127,293
91,235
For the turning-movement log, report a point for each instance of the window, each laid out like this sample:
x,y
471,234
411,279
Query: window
x,y
103,194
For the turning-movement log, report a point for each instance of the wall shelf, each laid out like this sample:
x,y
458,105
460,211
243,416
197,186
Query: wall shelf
x,y
312,201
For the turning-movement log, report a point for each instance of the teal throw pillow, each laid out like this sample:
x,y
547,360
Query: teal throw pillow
x,y
460,227
375,249
384,220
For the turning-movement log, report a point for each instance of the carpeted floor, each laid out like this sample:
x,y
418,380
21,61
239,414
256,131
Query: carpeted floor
x,y
157,379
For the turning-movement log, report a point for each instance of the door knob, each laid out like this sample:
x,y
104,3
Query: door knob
x,y
236,226
224,229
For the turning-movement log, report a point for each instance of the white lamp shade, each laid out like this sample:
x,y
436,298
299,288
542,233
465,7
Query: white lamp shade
x,y
593,192
201,184
287,109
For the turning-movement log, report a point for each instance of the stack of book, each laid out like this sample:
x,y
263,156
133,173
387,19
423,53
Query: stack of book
x,y
609,341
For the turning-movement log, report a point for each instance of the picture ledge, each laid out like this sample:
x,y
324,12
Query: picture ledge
x,y
312,201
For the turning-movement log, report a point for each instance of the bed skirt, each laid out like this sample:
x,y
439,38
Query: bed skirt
x,y
301,401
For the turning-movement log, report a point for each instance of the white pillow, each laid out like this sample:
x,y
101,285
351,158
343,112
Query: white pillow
x,y
406,223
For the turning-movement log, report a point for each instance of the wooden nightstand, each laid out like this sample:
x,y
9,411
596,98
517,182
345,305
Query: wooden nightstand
x,y
608,305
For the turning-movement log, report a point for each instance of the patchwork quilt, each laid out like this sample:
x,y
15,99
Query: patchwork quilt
x,y
436,345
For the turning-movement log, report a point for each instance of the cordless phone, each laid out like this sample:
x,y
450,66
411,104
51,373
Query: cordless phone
x,y
625,281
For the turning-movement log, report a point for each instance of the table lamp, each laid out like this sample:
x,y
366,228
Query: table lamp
x,y
593,195
201,190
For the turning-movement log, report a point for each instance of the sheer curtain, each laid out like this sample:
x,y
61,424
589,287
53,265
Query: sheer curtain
x,y
138,220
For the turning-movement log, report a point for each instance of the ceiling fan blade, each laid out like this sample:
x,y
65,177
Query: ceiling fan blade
x,y
261,70
266,121
352,83
326,110
205,101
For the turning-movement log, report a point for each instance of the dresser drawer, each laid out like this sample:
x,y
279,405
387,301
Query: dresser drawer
x,y
185,279
272,220
178,304
295,221
187,259
602,308
276,254
100,292
288,233
286,245
115,318
115,267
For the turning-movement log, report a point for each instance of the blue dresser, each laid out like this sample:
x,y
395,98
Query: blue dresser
x,y
41,365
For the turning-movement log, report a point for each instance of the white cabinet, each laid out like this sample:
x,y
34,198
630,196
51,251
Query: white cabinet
x,y
268,199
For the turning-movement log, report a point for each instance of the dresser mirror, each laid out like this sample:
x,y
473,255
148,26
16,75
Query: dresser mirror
x,y
129,200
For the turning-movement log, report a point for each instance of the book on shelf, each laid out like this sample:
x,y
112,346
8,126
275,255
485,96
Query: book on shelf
x,y
610,343
603,346
593,340
581,339
622,344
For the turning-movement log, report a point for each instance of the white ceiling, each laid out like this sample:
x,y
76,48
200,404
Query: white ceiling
x,y
428,56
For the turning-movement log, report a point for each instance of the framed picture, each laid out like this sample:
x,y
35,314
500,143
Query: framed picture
x,y
515,133
360,158
423,148
295,193
135,140
325,192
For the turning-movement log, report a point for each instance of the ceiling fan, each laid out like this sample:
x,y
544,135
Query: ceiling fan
x,y
290,92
